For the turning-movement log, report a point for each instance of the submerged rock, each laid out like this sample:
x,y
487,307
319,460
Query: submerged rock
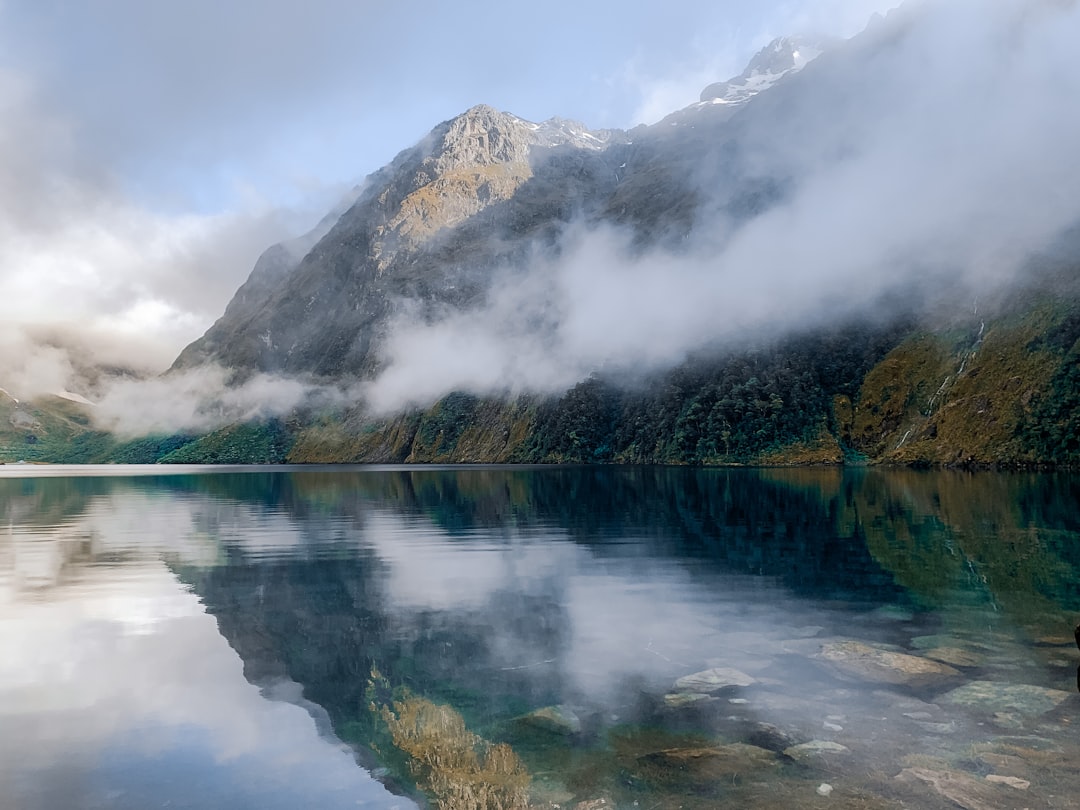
x,y
1011,781
959,788
680,700
815,749
1009,720
702,766
713,680
853,659
1006,698
956,656
768,736
941,640
556,719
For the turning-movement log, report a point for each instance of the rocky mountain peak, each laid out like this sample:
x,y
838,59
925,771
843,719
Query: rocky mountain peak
x,y
780,57
481,136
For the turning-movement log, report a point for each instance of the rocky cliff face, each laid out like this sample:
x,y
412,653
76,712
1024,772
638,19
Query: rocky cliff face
x,y
427,228
486,190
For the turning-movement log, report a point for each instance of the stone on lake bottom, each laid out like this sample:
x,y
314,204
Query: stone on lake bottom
x,y
861,661
679,700
1011,781
808,751
955,656
1006,698
703,766
1009,720
713,680
556,719
959,788
938,728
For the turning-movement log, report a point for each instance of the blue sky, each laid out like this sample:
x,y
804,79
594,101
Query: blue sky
x,y
150,150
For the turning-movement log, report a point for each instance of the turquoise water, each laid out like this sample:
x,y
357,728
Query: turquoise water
x,y
309,637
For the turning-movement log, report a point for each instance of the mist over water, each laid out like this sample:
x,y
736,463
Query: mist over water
x,y
157,604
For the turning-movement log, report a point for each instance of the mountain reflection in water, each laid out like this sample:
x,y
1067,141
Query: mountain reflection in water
x,y
246,638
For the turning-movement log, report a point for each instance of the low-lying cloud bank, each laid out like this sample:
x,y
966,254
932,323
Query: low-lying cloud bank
x,y
202,399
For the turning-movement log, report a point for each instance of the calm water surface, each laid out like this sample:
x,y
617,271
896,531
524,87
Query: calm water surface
x,y
504,638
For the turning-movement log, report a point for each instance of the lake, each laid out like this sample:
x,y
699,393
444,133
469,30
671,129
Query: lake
x,y
492,637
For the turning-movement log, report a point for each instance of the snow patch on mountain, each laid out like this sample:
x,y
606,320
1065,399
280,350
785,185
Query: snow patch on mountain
x,y
772,63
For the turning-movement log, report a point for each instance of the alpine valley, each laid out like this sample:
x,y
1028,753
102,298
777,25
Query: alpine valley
x,y
485,296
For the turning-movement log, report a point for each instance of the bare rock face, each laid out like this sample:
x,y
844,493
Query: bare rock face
x,y
422,229
850,659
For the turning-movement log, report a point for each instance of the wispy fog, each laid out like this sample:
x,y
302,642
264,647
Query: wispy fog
x,y
203,398
935,151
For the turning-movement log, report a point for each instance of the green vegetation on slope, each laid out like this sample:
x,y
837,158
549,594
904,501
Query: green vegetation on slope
x,y
266,442
1004,391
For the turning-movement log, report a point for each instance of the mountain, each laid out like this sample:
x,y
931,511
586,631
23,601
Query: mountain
x,y
845,254
776,60
429,227
488,190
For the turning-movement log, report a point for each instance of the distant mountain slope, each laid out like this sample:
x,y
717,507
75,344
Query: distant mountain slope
x,y
848,272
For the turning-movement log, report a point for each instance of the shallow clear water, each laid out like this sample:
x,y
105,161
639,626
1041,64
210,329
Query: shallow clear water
x,y
500,636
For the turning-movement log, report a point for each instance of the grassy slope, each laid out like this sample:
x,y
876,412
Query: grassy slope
x,y
958,398
48,429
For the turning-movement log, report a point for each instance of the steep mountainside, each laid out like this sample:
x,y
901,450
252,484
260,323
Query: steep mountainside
x,y
905,345
429,227
488,190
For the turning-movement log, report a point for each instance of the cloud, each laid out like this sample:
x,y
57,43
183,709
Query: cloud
x,y
201,399
935,152
79,256
721,47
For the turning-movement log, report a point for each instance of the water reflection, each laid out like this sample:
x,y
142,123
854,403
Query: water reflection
x,y
116,687
895,633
